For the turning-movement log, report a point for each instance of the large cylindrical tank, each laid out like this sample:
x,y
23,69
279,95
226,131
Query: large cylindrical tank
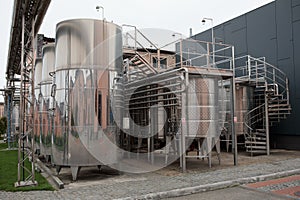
x,y
46,83
203,107
37,93
88,58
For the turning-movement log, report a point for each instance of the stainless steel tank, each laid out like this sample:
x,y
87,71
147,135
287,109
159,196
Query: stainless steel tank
x,y
244,103
203,107
15,122
88,57
46,115
37,93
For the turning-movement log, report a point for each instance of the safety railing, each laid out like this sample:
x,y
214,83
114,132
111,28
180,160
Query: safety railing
x,y
137,40
252,118
187,52
190,52
259,71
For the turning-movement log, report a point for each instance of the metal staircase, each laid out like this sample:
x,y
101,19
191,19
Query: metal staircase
x,y
139,67
271,101
136,55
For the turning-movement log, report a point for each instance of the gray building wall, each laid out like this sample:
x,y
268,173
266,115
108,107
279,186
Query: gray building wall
x,y
272,31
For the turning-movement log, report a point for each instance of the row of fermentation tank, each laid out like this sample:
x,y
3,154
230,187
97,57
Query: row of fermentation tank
x,y
73,82
73,120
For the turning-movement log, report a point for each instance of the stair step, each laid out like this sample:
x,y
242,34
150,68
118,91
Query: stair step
x,y
278,101
257,143
261,130
256,138
256,151
279,105
260,134
279,114
277,95
256,147
280,111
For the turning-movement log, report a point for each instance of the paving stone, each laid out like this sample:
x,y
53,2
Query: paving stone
x,y
129,185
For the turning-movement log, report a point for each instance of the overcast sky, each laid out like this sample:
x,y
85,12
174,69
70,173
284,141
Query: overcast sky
x,y
176,15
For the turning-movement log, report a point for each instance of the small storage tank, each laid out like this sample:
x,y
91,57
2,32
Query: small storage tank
x,y
244,103
46,115
88,57
203,107
15,122
37,93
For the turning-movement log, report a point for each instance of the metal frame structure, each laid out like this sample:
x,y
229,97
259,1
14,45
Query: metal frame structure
x,y
26,21
145,90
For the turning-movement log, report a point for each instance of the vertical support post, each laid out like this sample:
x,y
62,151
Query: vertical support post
x,y
287,90
20,137
32,104
158,59
213,46
256,73
8,112
25,154
135,38
233,119
233,116
207,53
181,56
185,124
249,67
267,121
274,77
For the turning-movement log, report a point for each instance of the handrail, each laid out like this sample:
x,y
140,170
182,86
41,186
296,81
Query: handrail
x,y
146,63
249,117
135,36
270,73
146,38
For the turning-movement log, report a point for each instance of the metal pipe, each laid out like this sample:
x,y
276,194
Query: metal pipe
x,y
157,88
159,106
152,83
166,73
156,95
151,101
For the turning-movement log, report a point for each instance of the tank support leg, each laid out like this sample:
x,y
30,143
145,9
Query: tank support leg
x,y
58,168
75,171
218,148
209,150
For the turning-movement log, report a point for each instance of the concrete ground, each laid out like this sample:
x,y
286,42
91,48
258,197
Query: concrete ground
x,y
170,182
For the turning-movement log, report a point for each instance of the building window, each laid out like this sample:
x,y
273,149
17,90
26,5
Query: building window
x,y
163,62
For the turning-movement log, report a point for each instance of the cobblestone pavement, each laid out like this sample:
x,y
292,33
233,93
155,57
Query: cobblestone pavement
x,y
289,186
112,186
